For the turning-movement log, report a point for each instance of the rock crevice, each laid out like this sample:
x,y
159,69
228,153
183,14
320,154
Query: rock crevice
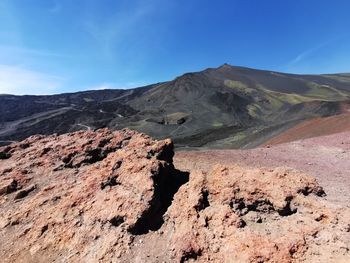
x,y
103,196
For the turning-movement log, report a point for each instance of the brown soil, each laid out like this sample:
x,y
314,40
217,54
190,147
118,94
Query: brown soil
x,y
102,196
326,158
314,128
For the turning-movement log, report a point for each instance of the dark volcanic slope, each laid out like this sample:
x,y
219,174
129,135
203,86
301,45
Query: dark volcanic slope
x,y
226,107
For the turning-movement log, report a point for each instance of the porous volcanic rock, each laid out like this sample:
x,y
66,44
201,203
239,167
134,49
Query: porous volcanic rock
x,y
231,214
103,196
82,196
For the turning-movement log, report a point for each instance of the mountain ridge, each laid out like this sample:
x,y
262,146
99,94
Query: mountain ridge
x,y
224,107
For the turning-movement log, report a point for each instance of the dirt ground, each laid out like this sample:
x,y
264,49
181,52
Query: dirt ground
x,y
103,196
314,128
327,158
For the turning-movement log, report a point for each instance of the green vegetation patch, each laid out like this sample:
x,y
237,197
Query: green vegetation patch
x,y
239,86
345,78
88,99
325,92
254,110
277,98
217,124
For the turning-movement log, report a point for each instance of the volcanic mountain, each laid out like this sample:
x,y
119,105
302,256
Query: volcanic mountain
x,y
224,107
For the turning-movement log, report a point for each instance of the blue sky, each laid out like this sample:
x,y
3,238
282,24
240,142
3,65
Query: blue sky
x,y
54,46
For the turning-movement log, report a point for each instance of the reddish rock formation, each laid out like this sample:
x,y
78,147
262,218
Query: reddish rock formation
x,y
239,215
116,197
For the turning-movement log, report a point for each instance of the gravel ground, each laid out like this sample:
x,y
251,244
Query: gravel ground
x,y
314,128
327,158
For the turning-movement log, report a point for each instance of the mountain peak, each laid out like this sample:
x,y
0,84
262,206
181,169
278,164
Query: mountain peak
x,y
225,65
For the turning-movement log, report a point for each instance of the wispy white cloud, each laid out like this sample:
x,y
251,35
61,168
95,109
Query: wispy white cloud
x,y
116,29
17,61
311,51
9,23
23,52
21,81
305,54
116,39
308,61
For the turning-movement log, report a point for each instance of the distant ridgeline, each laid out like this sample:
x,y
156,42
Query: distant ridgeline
x,y
225,107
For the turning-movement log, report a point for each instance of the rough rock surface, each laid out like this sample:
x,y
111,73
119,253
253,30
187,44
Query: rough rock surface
x,y
261,215
102,196
326,158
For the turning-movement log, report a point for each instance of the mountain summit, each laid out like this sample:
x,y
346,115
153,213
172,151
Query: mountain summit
x,y
224,107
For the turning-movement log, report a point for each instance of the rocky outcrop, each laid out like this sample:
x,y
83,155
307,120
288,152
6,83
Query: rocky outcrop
x,y
232,214
102,196
83,195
